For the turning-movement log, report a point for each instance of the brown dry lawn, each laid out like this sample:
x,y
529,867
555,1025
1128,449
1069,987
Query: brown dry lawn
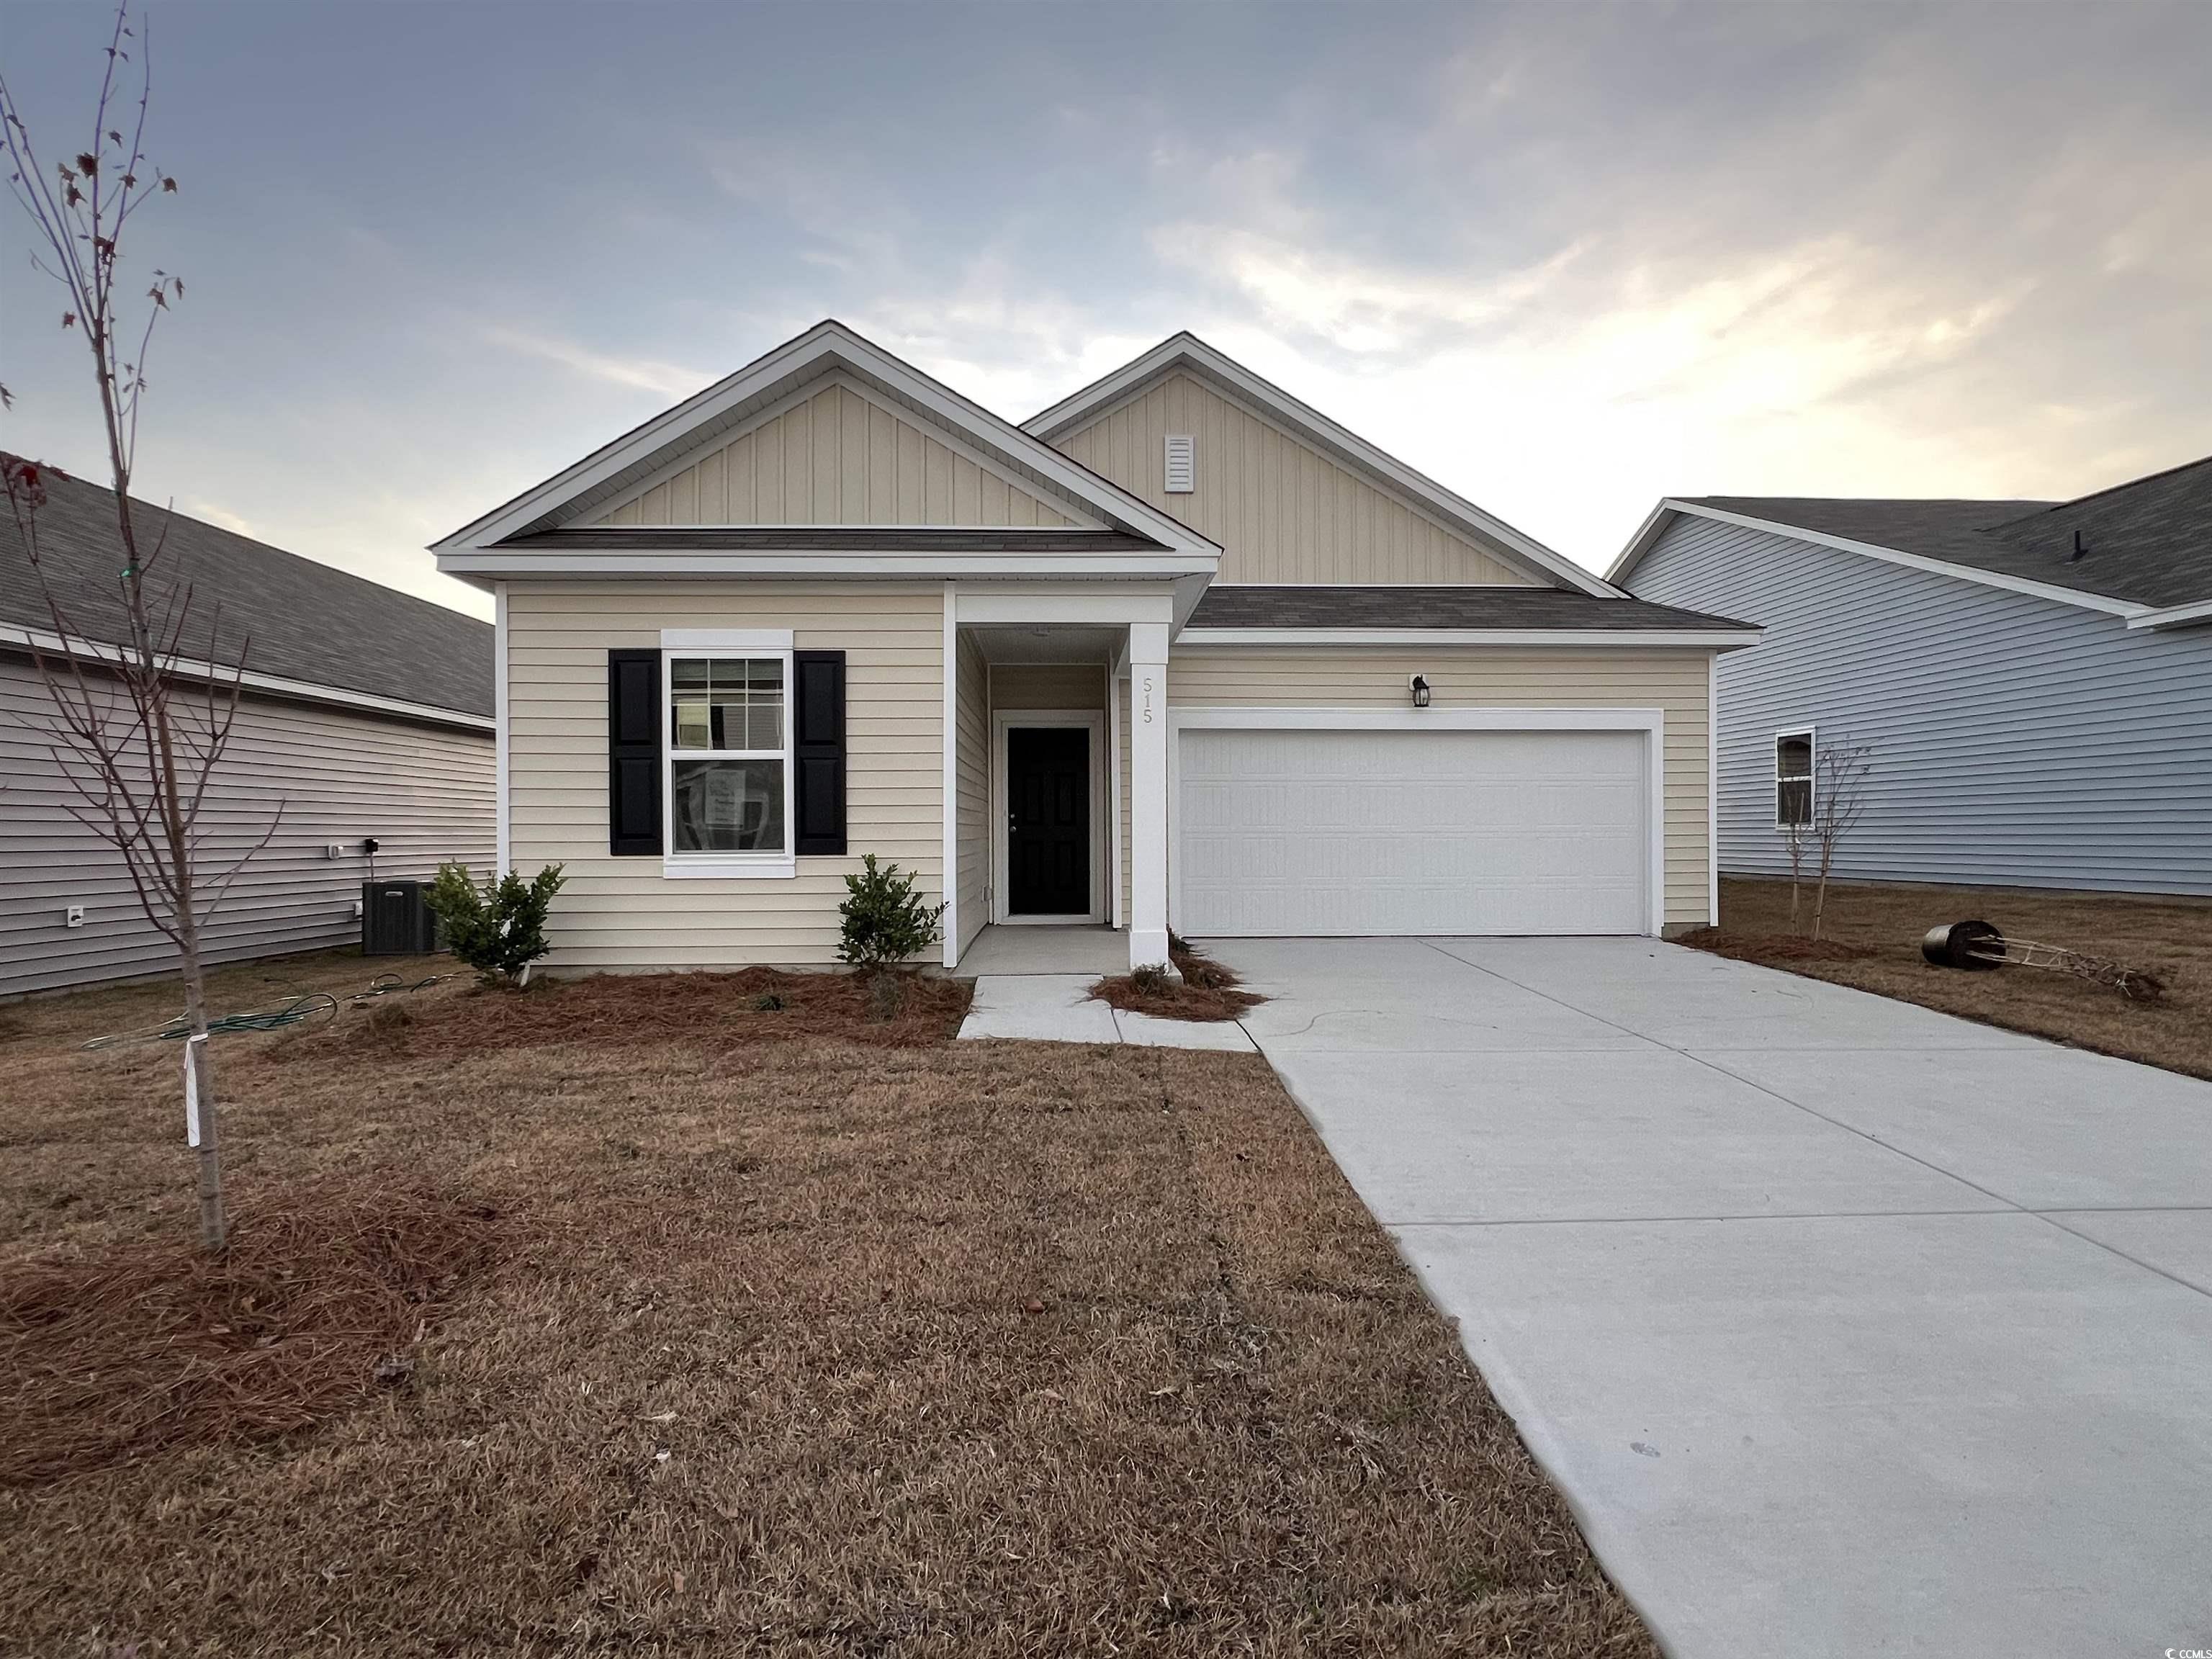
x,y
754,1338
1878,931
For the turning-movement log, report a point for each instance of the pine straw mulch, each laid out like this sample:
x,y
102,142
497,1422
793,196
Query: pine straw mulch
x,y
900,1009
1772,947
156,1345
1209,990
792,1346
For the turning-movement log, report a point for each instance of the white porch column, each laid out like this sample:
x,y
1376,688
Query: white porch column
x,y
1148,794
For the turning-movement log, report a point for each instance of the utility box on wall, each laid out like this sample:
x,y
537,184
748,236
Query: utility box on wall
x,y
396,919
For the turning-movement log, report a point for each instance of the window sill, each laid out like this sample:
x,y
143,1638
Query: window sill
x,y
735,867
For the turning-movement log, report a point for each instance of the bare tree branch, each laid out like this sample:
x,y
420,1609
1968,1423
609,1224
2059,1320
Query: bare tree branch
x,y
1840,772
139,730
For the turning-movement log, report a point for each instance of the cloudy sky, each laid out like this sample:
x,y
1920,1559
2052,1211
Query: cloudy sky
x,y
1565,259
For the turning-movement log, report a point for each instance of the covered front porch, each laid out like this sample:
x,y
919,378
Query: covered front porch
x,y
1016,951
1056,770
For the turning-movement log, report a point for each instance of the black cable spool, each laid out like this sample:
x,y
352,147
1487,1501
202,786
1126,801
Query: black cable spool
x,y
1974,945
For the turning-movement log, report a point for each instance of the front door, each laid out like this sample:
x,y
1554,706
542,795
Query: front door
x,y
1048,821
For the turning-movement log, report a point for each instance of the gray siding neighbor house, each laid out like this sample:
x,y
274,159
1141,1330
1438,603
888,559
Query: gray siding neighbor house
x,y
367,715
2032,680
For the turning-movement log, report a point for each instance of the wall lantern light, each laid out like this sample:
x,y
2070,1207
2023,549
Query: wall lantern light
x,y
1419,688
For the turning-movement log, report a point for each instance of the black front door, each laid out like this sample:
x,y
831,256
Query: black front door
x,y
1048,821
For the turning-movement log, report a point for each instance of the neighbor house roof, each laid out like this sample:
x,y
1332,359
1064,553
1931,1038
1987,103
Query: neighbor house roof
x,y
301,625
2141,549
1435,610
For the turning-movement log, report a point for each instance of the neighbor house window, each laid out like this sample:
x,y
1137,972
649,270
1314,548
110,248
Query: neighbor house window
x,y
729,751
1793,780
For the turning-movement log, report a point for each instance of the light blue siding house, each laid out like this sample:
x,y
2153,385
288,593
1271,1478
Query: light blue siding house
x,y
2032,680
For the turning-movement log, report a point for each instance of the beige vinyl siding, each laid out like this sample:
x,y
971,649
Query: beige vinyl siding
x,y
423,793
836,458
623,912
1673,681
972,759
1282,510
1048,685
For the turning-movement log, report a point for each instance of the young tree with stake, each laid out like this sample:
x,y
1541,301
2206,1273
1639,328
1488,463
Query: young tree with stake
x,y
1838,802
140,723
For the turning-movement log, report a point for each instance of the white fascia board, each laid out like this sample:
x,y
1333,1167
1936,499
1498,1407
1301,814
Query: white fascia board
x,y
1640,544
831,344
274,685
2174,616
971,567
1186,348
1965,573
1626,639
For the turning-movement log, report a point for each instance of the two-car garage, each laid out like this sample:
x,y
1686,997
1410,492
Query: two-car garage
x,y
1310,823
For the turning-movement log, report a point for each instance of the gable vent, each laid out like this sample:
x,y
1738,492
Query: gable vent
x,y
1183,464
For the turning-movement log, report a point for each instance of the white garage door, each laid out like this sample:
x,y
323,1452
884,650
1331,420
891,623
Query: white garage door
x,y
1368,832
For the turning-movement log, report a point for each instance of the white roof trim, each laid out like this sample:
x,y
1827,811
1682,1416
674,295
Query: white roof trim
x,y
1186,348
275,685
1707,639
1650,531
2174,616
831,344
769,561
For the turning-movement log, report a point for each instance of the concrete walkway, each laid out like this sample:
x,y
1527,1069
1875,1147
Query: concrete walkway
x,y
1848,1328
1059,1008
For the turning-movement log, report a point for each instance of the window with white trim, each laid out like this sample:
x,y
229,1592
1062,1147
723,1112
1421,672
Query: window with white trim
x,y
729,754
1793,780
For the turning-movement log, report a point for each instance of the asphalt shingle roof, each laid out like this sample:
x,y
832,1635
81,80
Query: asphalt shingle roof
x,y
1318,607
2148,541
296,618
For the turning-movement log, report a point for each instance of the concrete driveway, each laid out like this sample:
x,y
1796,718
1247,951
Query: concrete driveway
x,y
1847,1327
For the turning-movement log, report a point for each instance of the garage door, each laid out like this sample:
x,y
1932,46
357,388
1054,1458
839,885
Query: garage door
x,y
1369,832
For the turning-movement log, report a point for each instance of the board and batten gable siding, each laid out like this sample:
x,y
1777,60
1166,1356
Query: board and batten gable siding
x,y
836,457
972,746
423,793
2016,741
1281,509
1673,681
622,913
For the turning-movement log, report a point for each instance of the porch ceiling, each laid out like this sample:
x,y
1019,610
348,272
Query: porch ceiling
x,y
1047,642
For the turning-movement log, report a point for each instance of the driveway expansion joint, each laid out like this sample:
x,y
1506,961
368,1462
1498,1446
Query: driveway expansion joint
x,y
1933,1422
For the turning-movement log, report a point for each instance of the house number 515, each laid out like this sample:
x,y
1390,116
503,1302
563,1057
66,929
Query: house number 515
x,y
1148,700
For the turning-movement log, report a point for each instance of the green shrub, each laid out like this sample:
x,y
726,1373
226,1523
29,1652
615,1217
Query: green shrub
x,y
885,921
500,929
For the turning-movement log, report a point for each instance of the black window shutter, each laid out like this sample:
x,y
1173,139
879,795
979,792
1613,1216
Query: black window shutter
x,y
633,754
818,751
